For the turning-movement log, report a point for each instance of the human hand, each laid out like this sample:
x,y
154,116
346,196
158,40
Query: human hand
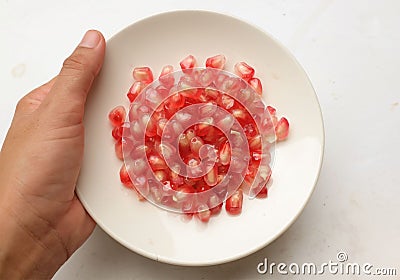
x,y
42,221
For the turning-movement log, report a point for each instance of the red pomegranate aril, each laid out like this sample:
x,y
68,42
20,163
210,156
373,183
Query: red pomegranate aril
x,y
204,128
250,130
206,77
216,210
188,63
263,193
244,71
143,74
160,126
166,78
211,178
117,116
124,176
225,154
233,204
161,175
239,114
135,90
156,162
190,133
118,150
117,132
211,93
139,166
255,83
282,129
255,143
184,144
203,213
176,101
195,145
271,110
217,61
226,101
220,80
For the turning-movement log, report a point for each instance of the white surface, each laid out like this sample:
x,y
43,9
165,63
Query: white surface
x,y
350,51
159,234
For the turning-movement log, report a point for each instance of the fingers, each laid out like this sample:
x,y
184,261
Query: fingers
x,y
68,95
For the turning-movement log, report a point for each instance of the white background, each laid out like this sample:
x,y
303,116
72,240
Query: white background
x,y
350,49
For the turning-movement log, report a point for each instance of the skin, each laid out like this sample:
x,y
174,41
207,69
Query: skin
x,y
42,222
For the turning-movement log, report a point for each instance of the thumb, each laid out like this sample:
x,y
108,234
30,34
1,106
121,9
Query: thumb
x,y
67,97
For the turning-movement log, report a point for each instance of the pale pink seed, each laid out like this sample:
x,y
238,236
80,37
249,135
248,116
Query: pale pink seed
x,y
135,90
117,116
195,145
244,71
143,74
160,175
188,63
217,61
255,83
166,78
211,178
282,129
225,154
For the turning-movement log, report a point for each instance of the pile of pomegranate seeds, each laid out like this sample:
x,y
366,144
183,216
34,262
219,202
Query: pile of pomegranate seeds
x,y
198,138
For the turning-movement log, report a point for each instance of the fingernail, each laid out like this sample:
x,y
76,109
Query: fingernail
x,y
90,40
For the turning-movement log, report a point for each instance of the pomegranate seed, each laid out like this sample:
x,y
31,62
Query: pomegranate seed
x,y
225,154
271,110
204,128
282,129
255,83
143,74
166,79
190,134
161,175
239,114
118,150
263,193
195,145
216,210
188,63
117,132
157,163
124,176
226,102
160,126
255,143
139,166
211,178
234,203
117,116
206,77
220,80
217,61
184,144
211,93
244,71
176,101
135,90
203,213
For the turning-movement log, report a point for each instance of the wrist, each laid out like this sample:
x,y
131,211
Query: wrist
x,y
28,248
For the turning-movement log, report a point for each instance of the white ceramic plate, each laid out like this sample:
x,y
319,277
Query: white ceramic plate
x,y
163,236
